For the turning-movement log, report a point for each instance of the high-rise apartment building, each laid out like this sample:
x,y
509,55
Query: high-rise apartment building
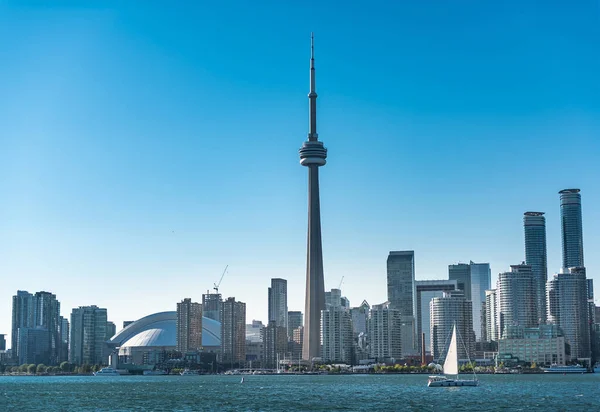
x,y
211,306
278,310
516,298
568,308
88,335
491,312
571,228
481,279
534,224
34,345
47,316
384,332
23,312
275,345
449,310
295,321
401,294
336,327
233,331
426,291
64,339
189,326
2,342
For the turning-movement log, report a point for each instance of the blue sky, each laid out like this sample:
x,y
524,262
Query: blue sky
x,y
144,146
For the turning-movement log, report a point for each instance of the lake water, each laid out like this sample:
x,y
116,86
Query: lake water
x,y
297,393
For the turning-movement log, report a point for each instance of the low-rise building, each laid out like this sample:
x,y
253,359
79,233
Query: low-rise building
x,y
544,345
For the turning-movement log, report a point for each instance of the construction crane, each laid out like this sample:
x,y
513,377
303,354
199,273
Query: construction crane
x,y
216,288
340,287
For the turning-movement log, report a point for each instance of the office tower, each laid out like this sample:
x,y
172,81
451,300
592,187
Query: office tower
x,y
313,155
275,344
22,317
233,331
189,326
211,306
516,296
481,279
2,342
336,327
33,345
568,308
111,330
446,311
534,224
427,290
571,228
461,273
401,294
278,309
295,320
333,299
64,339
88,335
491,311
47,316
384,332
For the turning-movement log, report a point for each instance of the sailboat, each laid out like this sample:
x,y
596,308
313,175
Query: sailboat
x,y
451,368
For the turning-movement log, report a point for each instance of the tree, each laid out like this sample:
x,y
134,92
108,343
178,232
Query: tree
x,y
31,368
65,366
23,367
41,368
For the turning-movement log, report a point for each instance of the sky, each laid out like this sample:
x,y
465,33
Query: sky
x,y
146,145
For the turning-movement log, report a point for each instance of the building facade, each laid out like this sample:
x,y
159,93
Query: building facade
x,y
568,308
516,298
34,345
461,273
449,310
88,335
233,332
491,313
211,306
571,228
426,291
295,320
544,345
534,224
278,310
336,326
189,326
22,317
481,279
385,341
275,344
402,294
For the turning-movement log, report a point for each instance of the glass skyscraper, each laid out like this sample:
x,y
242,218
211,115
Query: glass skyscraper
x,y
572,230
534,224
481,279
401,294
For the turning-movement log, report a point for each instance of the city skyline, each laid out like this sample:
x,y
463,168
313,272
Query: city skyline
x,y
107,188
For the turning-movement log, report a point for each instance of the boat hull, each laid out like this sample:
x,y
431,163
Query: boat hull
x,y
452,382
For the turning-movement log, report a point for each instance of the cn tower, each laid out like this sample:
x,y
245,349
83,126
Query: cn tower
x,y
313,155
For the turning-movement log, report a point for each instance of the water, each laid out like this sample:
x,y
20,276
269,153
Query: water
x,y
297,393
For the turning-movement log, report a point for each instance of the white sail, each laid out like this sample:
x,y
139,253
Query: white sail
x,y
451,363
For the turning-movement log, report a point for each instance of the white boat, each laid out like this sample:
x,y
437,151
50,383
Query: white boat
x,y
451,368
156,372
108,371
187,372
565,369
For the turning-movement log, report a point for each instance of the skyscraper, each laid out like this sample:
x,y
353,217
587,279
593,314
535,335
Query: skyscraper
x,y
88,335
516,298
189,326
211,306
452,308
313,155
47,315
401,294
295,321
571,228
233,331
23,310
383,325
568,308
481,279
491,313
461,273
426,291
534,224
337,334
278,310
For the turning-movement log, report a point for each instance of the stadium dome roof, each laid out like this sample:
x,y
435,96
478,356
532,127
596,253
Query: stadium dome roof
x,y
160,329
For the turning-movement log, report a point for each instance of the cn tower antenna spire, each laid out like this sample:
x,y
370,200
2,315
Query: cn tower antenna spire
x,y
312,95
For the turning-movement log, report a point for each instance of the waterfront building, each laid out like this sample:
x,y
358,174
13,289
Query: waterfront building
x,y
491,312
336,327
313,155
297,341
47,316
401,294
516,296
2,342
384,332
481,279
189,326
254,331
211,305
278,310
254,353
233,331
446,311
64,339
295,320
427,290
33,345
88,335
111,329
22,317
360,316
544,345
571,228
461,273
568,308
275,344
333,299
534,224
